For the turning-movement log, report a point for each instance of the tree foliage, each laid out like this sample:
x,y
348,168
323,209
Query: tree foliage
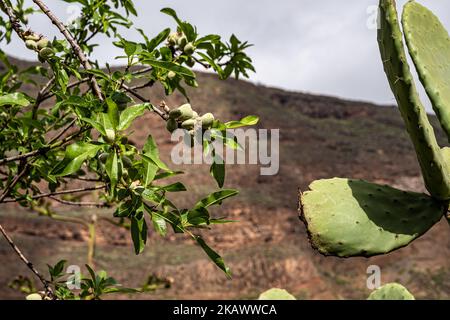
x,y
82,135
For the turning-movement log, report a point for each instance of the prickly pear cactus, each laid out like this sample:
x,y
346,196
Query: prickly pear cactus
x,y
357,218
276,294
434,169
429,46
391,291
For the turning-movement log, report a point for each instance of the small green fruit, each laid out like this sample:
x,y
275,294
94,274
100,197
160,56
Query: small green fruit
x,y
125,174
34,296
46,53
182,113
189,48
188,124
207,120
194,115
122,106
171,125
43,43
172,39
190,62
110,136
33,37
186,112
103,157
127,163
31,44
171,75
182,41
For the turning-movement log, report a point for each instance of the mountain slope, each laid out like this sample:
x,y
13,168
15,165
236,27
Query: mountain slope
x,y
320,137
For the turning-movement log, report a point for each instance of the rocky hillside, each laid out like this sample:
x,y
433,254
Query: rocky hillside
x,y
320,137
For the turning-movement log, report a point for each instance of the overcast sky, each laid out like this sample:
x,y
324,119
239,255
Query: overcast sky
x,y
318,46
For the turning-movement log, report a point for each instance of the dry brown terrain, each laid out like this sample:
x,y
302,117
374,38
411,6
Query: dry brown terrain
x,y
320,137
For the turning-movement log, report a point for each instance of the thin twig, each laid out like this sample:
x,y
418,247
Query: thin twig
x,y
85,179
92,35
26,261
13,184
80,204
144,85
143,99
45,149
40,98
76,48
59,135
69,86
143,70
11,242
56,193
15,24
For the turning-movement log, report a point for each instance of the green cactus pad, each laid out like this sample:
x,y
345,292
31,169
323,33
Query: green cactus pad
x,y
434,169
429,46
276,294
391,291
356,218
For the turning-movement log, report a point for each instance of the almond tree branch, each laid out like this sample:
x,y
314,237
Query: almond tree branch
x,y
80,204
27,262
15,24
41,97
13,183
69,86
45,149
76,48
162,114
11,242
51,194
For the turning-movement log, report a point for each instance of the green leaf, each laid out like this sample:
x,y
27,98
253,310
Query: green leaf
x,y
15,99
209,38
198,216
216,198
150,170
187,29
131,113
159,223
110,132
138,234
113,113
96,125
168,174
112,169
155,42
172,13
214,256
174,187
247,121
170,66
213,64
151,153
217,170
76,154
129,47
